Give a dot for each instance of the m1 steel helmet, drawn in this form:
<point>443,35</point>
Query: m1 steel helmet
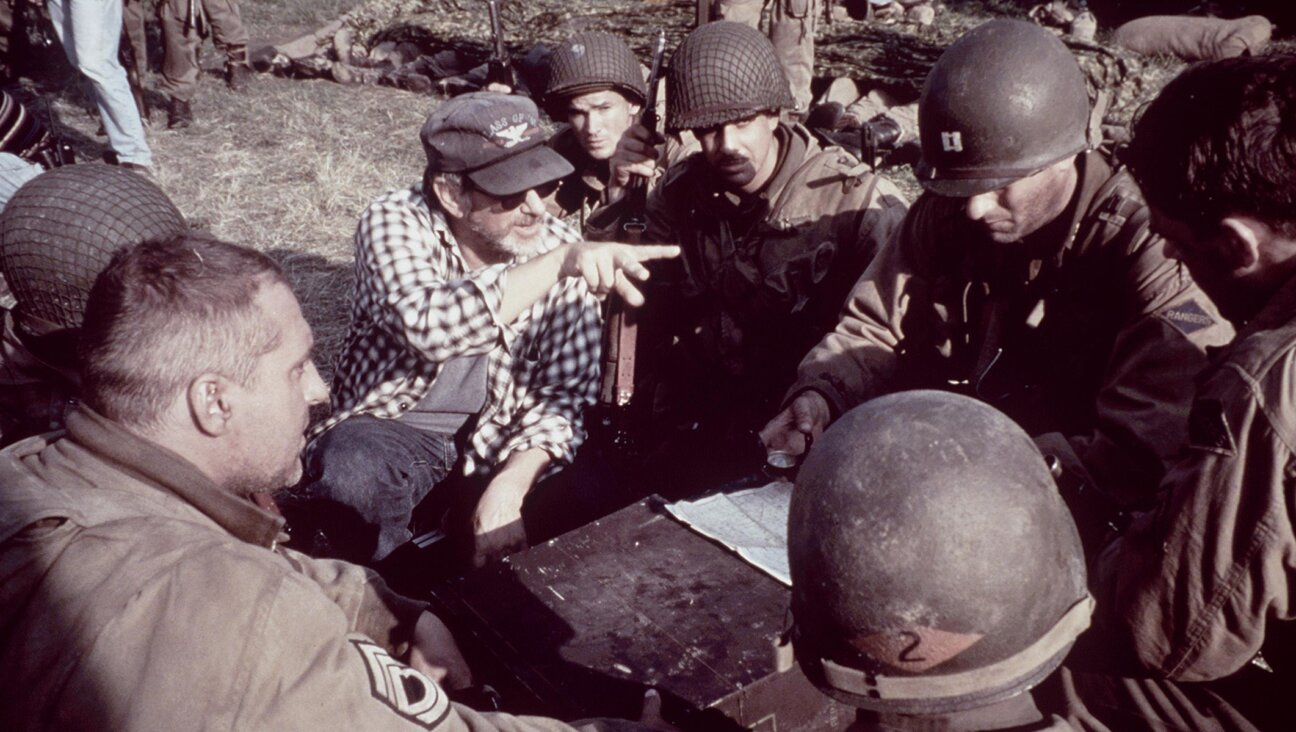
<point>934,566</point>
<point>1006,100</point>
<point>590,62</point>
<point>723,72</point>
<point>59,231</point>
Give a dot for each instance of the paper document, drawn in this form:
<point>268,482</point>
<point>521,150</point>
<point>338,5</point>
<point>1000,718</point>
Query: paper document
<point>752,522</point>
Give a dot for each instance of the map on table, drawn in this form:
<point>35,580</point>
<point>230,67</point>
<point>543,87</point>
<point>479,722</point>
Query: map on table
<point>751,522</point>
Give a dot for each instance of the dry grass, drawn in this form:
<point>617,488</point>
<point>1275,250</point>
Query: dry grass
<point>286,166</point>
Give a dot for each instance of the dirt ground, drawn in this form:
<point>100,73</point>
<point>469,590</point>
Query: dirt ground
<point>288,165</point>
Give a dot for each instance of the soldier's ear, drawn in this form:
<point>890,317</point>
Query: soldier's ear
<point>452,195</point>
<point>208,397</point>
<point>1243,242</point>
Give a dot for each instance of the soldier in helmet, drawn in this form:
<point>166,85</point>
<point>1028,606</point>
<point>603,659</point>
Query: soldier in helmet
<point>596,87</point>
<point>774,230</point>
<point>1026,275</point>
<point>897,607</point>
<point>57,232</point>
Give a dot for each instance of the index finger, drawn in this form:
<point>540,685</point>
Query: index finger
<point>647,252</point>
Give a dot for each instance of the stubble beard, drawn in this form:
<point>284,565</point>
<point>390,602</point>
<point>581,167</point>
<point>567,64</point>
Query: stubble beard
<point>512,246</point>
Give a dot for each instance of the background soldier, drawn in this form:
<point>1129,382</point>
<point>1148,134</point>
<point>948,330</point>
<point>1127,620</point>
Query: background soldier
<point>596,86</point>
<point>1025,276</point>
<point>774,231</point>
<point>50,254</point>
<point>184,24</point>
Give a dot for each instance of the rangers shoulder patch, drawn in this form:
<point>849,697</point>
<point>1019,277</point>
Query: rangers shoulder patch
<point>408,691</point>
<point>1188,317</point>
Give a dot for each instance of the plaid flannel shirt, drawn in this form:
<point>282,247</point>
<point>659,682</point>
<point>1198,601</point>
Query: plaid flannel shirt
<point>416,305</point>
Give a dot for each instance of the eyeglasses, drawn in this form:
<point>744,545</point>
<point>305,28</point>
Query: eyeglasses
<point>508,203</point>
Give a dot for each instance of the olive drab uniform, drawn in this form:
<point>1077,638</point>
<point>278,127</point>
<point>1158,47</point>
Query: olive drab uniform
<point>135,594</point>
<point>184,24</point>
<point>1203,584</point>
<point>1086,335</point>
<point>761,277</point>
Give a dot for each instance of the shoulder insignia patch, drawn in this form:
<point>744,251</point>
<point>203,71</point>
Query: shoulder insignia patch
<point>1188,318</point>
<point>1208,429</point>
<point>409,692</point>
<point>915,649</point>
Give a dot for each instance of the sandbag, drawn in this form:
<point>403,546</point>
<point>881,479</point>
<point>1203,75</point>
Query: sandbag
<point>1194,39</point>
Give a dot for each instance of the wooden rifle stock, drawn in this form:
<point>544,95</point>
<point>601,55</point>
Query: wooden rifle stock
<point>621,326</point>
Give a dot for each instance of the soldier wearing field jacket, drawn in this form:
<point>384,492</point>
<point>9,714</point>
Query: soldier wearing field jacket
<point>1200,589</point>
<point>774,231</point>
<point>1026,276</point>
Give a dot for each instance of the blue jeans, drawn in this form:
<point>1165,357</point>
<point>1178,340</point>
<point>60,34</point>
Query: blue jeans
<point>363,479</point>
<point>14,171</point>
<point>366,475</point>
<point>90,31</point>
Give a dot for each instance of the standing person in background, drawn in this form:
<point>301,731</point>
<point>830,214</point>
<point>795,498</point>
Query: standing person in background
<point>91,31</point>
<point>184,24</point>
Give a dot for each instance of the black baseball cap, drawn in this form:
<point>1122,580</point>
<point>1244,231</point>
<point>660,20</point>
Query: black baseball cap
<point>495,140</point>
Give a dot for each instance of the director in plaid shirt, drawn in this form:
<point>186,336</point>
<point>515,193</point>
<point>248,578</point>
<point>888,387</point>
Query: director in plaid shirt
<point>474,316</point>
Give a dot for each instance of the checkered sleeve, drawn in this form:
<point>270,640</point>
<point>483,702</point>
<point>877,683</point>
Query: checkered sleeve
<point>556,369</point>
<point>551,415</point>
<point>419,293</point>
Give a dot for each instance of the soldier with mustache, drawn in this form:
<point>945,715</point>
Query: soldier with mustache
<point>774,230</point>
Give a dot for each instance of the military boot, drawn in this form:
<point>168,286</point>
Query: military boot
<point>238,72</point>
<point>179,114</point>
<point>237,76</point>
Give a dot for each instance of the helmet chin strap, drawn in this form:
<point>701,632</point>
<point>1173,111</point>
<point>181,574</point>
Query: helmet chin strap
<point>1094,133</point>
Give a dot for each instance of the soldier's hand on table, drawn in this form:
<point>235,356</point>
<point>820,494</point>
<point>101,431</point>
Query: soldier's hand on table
<point>608,266</point>
<point>497,520</point>
<point>434,652</point>
<point>651,716</point>
<point>635,155</point>
<point>808,414</point>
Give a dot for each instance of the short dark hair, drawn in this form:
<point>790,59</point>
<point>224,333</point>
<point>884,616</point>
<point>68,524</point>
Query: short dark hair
<point>164,312</point>
<point>1220,140</point>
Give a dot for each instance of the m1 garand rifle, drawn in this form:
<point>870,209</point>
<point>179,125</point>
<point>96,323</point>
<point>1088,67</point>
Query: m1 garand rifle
<point>499,70</point>
<point>621,327</point>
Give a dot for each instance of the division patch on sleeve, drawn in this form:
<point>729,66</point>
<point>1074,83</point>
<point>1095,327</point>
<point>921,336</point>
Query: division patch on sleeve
<point>1208,429</point>
<point>1188,317</point>
<point>409,692</point>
